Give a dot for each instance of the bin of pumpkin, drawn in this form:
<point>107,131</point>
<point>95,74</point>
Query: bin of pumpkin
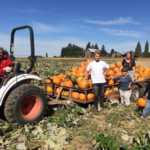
<point>48,86</point>
<point>83,92</point>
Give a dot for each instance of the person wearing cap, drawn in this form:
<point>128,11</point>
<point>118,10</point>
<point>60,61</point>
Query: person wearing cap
<point>98,81</point>
<point>6,64</point>
<point>125,86</point>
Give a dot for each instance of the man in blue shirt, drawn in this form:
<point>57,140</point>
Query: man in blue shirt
<point>125,86</point>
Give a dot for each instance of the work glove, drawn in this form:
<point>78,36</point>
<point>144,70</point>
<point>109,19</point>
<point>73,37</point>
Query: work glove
<point>7,69</point>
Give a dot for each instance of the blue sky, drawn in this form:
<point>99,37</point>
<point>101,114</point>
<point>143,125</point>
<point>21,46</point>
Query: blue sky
<point>117,24</point>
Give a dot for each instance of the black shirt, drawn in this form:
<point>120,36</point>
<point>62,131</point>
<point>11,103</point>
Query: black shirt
<point>125,64</point>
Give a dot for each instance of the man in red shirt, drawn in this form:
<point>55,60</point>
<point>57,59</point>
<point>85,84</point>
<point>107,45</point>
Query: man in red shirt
<point>6,64</point>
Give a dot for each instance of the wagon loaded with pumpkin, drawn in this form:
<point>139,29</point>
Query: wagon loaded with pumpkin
<point>73,88</point>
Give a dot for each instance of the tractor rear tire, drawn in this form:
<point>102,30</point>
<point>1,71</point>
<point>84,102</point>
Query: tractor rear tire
<point>135,93</point>
<point>25,104</point>
<point>142,90</point>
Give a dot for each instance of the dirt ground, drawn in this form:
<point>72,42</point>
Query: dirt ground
<point>143,63</point>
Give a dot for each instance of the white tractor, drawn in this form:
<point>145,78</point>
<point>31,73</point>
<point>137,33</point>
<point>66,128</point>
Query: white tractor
<point>20,101</point>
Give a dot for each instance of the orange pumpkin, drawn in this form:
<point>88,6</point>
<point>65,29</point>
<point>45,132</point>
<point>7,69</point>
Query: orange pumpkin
<point>68,83</point>
<point>112,66</point>
<point>141,78</point>
<point>81,74</point>
<point>49,89</point>
<point>48,81</point>
<point>88,61</point>
<point>75,95</point>
<point>142,102</point>
<point>82,96</point>
<point>78,79</point>
<point>110,91</point>
<point>119,73</point>
<point>116,69</point>
<point>74,69</point>
<point>56,80</point>
<point>90,96</point>
<point>84,84</point>
<point>106,93</point>
<point>57,90</point>
<point>118,64</point>
<point>111,82</point>
<point>82,64</point>
<point>80,69</point>
<point>110,73</point>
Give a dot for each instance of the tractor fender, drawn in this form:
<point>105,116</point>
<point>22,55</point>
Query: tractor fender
<point>13,81</point>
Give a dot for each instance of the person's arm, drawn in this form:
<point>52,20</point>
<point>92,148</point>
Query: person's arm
<point>107,68</point>
<point>86,75</point>
<point>117,78</point>
<point>86,72</point>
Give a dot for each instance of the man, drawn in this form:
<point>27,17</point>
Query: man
<point>98,81</point>
<point>146,109</point>
<point>6,64</point>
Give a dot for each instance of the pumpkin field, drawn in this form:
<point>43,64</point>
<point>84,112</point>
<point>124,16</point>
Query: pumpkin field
<point>76,127</point>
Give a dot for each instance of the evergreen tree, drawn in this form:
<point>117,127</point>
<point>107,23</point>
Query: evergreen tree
<point>146,54</point>
<point>93,46</point>
<point>112,51</point>
<point>103,51</point>
<point>88,45</point>
<point>96,46</point>
<point>72,51</point>
<point>69,44</point>
<point>138,50</point>
<point>46,55</point>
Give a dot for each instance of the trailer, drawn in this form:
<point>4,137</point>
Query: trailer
<point>137,90</point>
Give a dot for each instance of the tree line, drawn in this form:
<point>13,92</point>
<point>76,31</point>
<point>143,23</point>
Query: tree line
<point>138,50</point>
<point>76,51</point>
<point>72,51</point>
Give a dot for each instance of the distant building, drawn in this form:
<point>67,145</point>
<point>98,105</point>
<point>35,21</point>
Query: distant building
<point>90,52</point>
<point>117,55</point>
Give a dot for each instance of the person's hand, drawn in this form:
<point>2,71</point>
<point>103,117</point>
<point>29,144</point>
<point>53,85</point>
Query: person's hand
<point>129,86</point>
<point>7,69</point>
<point>144,97</point>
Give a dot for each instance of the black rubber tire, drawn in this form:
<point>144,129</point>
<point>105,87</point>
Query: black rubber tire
<point>143,89</point>
<point>135,93</point>
<point>13,103</point>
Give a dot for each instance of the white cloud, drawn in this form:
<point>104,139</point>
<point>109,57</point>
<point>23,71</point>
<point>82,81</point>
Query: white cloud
<point>29,10</point>
<point>124,32</point>
<point>121,20</point>
<point>44,28</point>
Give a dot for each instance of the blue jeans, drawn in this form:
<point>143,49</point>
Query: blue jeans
<point>146,109</point>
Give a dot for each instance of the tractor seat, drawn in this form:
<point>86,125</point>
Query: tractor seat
<point>16,68</point>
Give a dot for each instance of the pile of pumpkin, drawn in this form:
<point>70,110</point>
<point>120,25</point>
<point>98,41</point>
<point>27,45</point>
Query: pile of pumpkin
<point>74,78</point>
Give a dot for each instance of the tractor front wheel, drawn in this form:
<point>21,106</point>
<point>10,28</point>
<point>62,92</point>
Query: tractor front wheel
<point>25,104</point>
